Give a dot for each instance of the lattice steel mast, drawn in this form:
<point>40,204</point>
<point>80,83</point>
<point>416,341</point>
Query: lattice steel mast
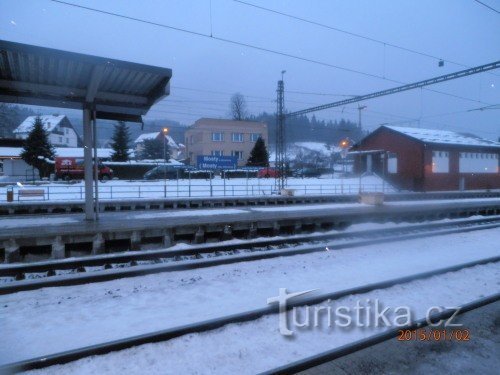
<point>280,162</point>
<point>410,86</point>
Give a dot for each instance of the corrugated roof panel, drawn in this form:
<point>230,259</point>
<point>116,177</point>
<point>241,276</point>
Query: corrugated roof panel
<point>43,76</point>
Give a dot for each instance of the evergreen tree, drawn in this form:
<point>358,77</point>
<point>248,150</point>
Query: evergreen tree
<point>37,148</point>
<point>153,149</point>
<point>121,140</point>
<point>259,157</point>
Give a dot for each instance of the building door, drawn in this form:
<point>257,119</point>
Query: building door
<point>369,163</point>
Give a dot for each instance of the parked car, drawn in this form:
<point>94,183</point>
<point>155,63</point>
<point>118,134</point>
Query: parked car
<point>170,172</point>
<point>267,172</point>
<point>73,168</point>
<point>307,172</point>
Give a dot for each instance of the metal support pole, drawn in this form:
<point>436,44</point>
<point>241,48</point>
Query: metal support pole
<point>96,165</point>
<point>280,162</point>
<point>87,160</point>
<point>386,159</point>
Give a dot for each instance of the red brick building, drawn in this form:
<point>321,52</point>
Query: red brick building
<point>429,160</point>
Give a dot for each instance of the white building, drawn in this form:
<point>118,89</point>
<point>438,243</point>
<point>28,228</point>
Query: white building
<point>13,168</point>
<point>176,150</point>
<point>61,132</point>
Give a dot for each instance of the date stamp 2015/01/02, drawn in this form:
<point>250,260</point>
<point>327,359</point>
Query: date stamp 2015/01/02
<point>424,334</point>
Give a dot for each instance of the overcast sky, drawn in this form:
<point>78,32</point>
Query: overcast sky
<point>207,71</point>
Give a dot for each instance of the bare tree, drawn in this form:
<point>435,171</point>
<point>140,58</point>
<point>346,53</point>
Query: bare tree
<point>238,107</point>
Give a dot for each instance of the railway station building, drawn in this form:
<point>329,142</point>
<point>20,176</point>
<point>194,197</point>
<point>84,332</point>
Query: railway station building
<point>419,159</point>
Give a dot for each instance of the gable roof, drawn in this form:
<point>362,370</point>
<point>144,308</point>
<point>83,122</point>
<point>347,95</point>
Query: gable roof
<point>443,137</point>
<point>154,135</point>
<point>49,123</point>
<point>145,136</point>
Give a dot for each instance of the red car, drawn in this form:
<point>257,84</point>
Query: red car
<point>72,168</point>
<point>267,172</point>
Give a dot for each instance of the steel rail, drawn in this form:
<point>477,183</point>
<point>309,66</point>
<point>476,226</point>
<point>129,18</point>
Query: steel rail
<point>330,355</point>
<point>211,324</point>
<point>108,259</point>
<point>113,274</point>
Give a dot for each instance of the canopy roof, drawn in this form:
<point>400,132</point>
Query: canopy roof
<point>117,90</point>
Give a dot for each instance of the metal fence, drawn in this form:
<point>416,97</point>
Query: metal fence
<point>185,189</point>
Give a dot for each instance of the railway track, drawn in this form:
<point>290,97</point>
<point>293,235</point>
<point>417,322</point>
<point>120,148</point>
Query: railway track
<point>330,355</point>
<point>208,325</point>
<point>23,277</point>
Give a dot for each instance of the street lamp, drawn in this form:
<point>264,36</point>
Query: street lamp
<point>165,132</point>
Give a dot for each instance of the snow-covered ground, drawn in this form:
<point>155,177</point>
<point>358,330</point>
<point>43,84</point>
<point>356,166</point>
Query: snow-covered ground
<point>256,346</point>
<point>55,319</point>
<point>217,187</point>
<point>479,356</point>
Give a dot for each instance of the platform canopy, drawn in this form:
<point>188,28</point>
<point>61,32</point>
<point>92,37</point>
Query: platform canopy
<point>116,90</point>
<point>101,87</point>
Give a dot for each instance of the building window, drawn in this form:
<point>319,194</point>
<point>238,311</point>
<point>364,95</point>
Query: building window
<point>67,140</point>
<point>218,137</point>
<point>392,163</point>
<point>238,154</point>
<point>255,136</point>
<point>478,163</point>
<point>217,153</point>
<point>440,162</point>
<point>60,139</point>
<point>237,137</point>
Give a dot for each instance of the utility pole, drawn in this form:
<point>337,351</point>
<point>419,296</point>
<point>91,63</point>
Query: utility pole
<point>360,108</point>
<point>280,167</point>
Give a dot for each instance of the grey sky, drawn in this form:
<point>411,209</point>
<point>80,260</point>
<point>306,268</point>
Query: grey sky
<point>459,30</point>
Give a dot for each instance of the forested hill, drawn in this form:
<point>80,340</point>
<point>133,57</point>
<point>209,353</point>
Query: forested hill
<point>298,129</point>
<point>305,129</point>
<point>10,118</point>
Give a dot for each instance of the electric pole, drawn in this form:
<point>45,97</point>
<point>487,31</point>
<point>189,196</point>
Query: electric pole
<point>280,167</point>
<point>360,108</point>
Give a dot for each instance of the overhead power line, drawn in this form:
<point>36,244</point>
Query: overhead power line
<point>316,93</point>
<point>351,33</point>
<point>410,86</point>
<point>230,41</point>
<point>247,45</point>
<point>487,6</point>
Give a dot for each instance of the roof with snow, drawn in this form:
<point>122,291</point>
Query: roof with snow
<point>75,152</point>
<point>154,135</point>
<point>318,147</point>
<point>49,123</point>
<point>443,136</point>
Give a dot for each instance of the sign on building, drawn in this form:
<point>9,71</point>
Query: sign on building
<point>216,162</point>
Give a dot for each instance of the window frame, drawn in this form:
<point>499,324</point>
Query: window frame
<point>240,139</point>
<point>259,135</point>
<point>221,137</point>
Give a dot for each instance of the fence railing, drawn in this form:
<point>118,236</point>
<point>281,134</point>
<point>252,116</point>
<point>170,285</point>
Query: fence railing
<point>186,189</point>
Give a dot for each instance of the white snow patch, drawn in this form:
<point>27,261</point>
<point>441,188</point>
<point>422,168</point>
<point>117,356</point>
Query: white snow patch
<point>75,316</point>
